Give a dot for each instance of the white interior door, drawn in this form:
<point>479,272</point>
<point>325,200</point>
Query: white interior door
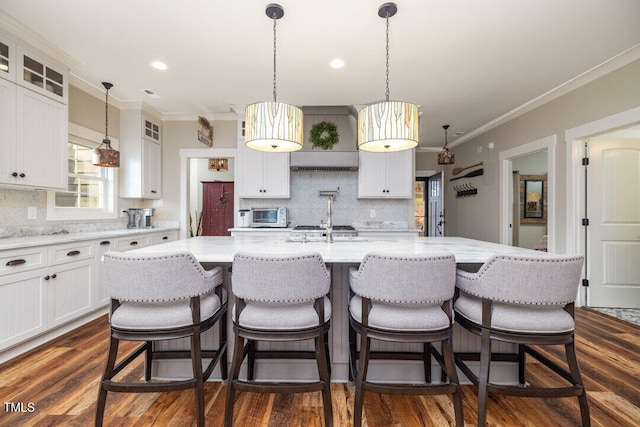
<point>613,209</point>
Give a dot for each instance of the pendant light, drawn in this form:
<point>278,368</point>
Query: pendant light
<point>106,157</point>
<point>389,125</point>
<point>274,126</point>
<point>446,156</point>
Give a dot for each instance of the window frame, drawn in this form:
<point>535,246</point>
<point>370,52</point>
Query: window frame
<point>89,138</point>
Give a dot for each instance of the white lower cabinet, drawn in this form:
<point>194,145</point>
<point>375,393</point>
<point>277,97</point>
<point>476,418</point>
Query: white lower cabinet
<point>23,312</point>
<point>69,291</point>
<point>101,293</point>
<point>45,287</point>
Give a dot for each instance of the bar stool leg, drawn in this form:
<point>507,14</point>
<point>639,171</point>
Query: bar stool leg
<point>572,360</point>
<point>483,378</point>
<point>108,373</point>
<point>325,377</point>
<point>450,364</point>
<point>196,362</point>
<point>363,365</point>
<point>235,373</point>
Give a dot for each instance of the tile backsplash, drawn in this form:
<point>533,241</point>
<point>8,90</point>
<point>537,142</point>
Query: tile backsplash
<point>306,207</point>
<point>14,205</point>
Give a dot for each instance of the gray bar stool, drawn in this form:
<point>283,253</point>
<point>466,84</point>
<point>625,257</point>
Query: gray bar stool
<point>162,297</point>
<point>408,299</point>
<point>526,301</point>
<point>280,298</point>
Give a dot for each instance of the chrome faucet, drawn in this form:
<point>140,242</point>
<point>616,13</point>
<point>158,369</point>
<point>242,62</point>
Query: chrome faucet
<point>331,196</point>
<point>329,222</point>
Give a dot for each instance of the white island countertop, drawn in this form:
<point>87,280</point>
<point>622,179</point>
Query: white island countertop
<point>222,249</point>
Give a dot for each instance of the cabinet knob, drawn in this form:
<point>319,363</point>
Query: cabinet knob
<point>54,275</point>
<point>154,191</point>
<point>22,175</point>
<point>15,174</point>
<point>47,277</point>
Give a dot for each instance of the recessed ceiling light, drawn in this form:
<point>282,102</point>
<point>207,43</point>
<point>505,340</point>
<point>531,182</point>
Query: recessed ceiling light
<point>159,65</point>
<point>336,63</point>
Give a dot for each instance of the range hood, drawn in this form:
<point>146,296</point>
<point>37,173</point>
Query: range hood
<point>324,161</point>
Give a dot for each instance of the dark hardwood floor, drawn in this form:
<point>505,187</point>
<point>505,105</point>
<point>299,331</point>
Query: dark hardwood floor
<point>57,386</point>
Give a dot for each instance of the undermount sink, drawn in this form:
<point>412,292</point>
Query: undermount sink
<point>323,239</point>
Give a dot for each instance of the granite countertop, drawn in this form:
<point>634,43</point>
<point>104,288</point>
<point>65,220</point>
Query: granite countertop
<point>61,238</point>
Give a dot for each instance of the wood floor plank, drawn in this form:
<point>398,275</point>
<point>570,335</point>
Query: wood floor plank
<point>61,379</point>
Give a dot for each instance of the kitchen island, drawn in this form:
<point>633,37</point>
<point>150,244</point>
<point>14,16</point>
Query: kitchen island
<point>340,256</point>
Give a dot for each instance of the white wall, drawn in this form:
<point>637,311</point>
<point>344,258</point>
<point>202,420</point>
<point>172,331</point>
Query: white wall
<point>478,217</point>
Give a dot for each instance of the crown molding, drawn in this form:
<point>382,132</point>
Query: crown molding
<point>628,56</point>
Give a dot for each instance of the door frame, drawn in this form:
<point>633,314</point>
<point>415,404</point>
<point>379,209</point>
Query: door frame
<point>575,186</point>
<point>505,159</point>
<point>187,154</point>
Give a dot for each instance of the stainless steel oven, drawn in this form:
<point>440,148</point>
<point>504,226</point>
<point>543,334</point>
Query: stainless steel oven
<point>269,217</point>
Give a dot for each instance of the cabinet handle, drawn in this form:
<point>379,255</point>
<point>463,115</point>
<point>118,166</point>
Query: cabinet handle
<point>15,262</point>
<point>105,242</point>
<point>133,243</point>
<point>154,191</point>
<point>15,174</point>
<point>165,238</point>
<point>73,253</point>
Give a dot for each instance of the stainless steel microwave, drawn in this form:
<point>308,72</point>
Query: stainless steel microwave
<point>269,217</point>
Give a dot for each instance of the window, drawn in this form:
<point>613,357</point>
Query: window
<point>91,189</point>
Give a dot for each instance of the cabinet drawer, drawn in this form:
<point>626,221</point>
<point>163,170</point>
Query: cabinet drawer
<point>72,252</point>
<point>169,236</point>
<point>129,243</point>
<point>16,261</point>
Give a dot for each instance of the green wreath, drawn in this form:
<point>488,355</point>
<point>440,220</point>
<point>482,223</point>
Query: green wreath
<point>324,134</point>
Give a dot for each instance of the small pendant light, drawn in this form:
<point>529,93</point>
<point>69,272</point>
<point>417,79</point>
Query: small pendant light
<point>106,157</point>
<point>446,156</point>
<point>389,125</point>
<point>274,126</point>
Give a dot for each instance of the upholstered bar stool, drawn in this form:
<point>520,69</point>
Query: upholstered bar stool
<point>162,297</point>
<point>280,298</point>
<point>526,301</point>
<point>407,299</point>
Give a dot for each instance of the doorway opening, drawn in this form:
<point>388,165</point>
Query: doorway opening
<point>193,160</point>
<point>211,198</point>
<point>513,200</point>
<point>429,205</point>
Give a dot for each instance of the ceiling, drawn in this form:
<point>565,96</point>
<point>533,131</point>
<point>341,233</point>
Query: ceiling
<point>465,62</point>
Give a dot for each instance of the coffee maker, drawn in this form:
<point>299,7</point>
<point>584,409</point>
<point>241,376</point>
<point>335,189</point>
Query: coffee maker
<point>140,217</point>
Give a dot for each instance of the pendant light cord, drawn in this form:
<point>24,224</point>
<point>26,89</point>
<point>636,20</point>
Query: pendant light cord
<point>106,116</point>
<point>387,91</point>
<point>275,19</point>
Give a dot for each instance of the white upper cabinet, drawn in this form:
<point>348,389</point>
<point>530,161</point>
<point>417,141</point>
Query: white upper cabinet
<point>42,75</point>
<point>262,175</point>
<point>7,59</point>
<point>140,155</point>
<point>386,175</point>
<point>33,120</point>
<point>34,139</point>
